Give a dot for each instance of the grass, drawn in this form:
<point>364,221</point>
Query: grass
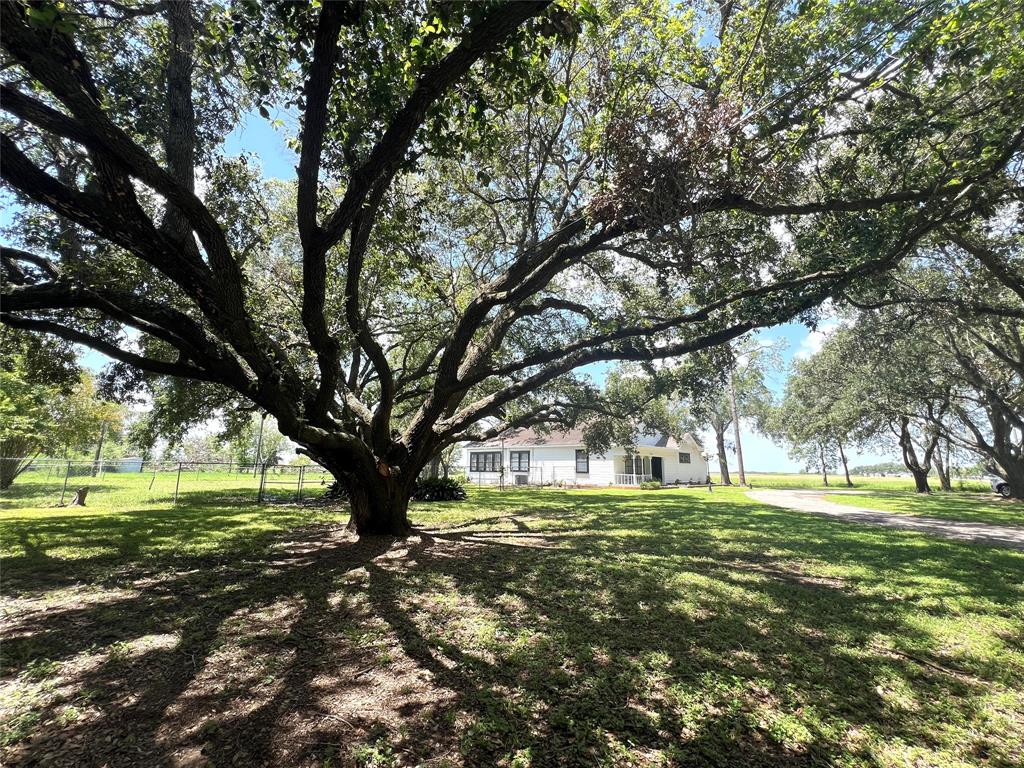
<point>523,628</point>
<point>40,488</point>
<point>971,501</point>
<point>838,482</point>
<point>970,507</point>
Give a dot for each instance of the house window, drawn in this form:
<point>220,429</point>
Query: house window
<point>684,458</point>
<point>485,462</point>
<point>519,461</point>
<point>582,462</point>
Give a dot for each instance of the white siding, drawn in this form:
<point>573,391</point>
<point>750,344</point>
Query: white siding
<point>556,464</point>
<point>694,472</point>
<point>549,464</point>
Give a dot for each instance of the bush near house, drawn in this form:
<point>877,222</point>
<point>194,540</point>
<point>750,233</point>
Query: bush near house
<point>439,489</point>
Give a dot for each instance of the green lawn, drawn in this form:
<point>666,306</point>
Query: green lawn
<point>838,482</point>
<point>127,490</point>
<point>524,628</point>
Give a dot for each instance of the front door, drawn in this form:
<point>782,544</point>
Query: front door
<point>656,472</point>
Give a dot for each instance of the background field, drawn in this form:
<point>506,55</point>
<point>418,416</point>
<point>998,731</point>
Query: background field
<point>838,482</point>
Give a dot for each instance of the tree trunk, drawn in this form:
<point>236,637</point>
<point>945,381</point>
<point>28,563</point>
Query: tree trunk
<point>921,480</point>
<point>1013,472</point>
<point>380,505</point>
<point>736,429</point>
<point>942,467</point>
<point>723,461</point>
<point>434,467</point>
<point>824,466</point>
<point>99,450</point>
<point>919,469</point>
<point>846,467</point>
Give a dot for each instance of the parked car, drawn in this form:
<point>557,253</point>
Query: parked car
<point>999,486</point>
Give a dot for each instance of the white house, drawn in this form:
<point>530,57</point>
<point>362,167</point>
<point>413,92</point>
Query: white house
<point>526,457</point>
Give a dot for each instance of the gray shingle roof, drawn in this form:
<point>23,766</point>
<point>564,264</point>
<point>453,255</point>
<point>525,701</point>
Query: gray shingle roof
<point>574,437</point>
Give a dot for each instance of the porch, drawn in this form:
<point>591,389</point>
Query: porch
<point>638,468</point>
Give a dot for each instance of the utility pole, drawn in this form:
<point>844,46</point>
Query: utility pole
<point>736,427</point>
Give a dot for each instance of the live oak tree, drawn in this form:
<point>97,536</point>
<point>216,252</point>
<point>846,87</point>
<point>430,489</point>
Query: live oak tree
<point>804,421</point>
<point>489,196</point>
<point>952,323</point>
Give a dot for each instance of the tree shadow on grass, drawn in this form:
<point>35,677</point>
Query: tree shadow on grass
<point>586,629</point>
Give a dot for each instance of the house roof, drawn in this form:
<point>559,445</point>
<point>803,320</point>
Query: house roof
<point>531,438</point>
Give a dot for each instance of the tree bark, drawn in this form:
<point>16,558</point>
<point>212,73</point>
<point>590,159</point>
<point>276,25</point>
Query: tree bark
<point>736,429</point>
<point>942,468</point>
<point>99,450</point>
<point>919,469</point>
<point>920,480</point>
<point>824,466</point>
<point>723,461</point>
<point>434,467</point>
<point>180,133</point>
<point>380,505</point>
<point>846,467</point>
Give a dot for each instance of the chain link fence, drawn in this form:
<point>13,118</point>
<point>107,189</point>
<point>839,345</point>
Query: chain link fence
<point>52,482</point>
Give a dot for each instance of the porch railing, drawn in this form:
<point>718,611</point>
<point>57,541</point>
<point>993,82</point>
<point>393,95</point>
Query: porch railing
<point>632,479</point>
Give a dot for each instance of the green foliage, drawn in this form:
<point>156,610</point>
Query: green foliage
<point>38,416</point>
<point>650,485</point>
<point>438,489</point>
<point>822,413</point>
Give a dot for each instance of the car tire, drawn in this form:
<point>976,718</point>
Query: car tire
<point>1003,489</point>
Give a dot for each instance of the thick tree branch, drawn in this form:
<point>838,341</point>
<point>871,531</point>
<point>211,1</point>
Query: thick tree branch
<point>386,157</point>
<point>991,260</point>
<point>148,364</point>
<point>180,131</point>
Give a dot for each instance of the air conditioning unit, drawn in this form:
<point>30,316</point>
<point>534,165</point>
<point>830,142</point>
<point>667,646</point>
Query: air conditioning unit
<point>522,479</point>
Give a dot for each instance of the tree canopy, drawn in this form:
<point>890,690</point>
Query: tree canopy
<point>489,196</point>
<point>47,404</point>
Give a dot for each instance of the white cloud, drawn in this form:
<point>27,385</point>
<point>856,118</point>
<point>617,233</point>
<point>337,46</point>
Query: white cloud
<point>811,343</point>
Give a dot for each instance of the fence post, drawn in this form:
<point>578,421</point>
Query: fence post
<point>263,482</point>
<point>302,472</point>
<point>177,483</point>
<point>67,474</point>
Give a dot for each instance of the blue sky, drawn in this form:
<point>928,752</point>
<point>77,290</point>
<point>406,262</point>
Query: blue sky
<point>255,135</point>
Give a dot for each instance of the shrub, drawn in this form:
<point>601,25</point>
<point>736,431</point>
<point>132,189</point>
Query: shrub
<point>439,489</point>
<point>430,489</point>
<point>650,485</point>
<point>336,492</point>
